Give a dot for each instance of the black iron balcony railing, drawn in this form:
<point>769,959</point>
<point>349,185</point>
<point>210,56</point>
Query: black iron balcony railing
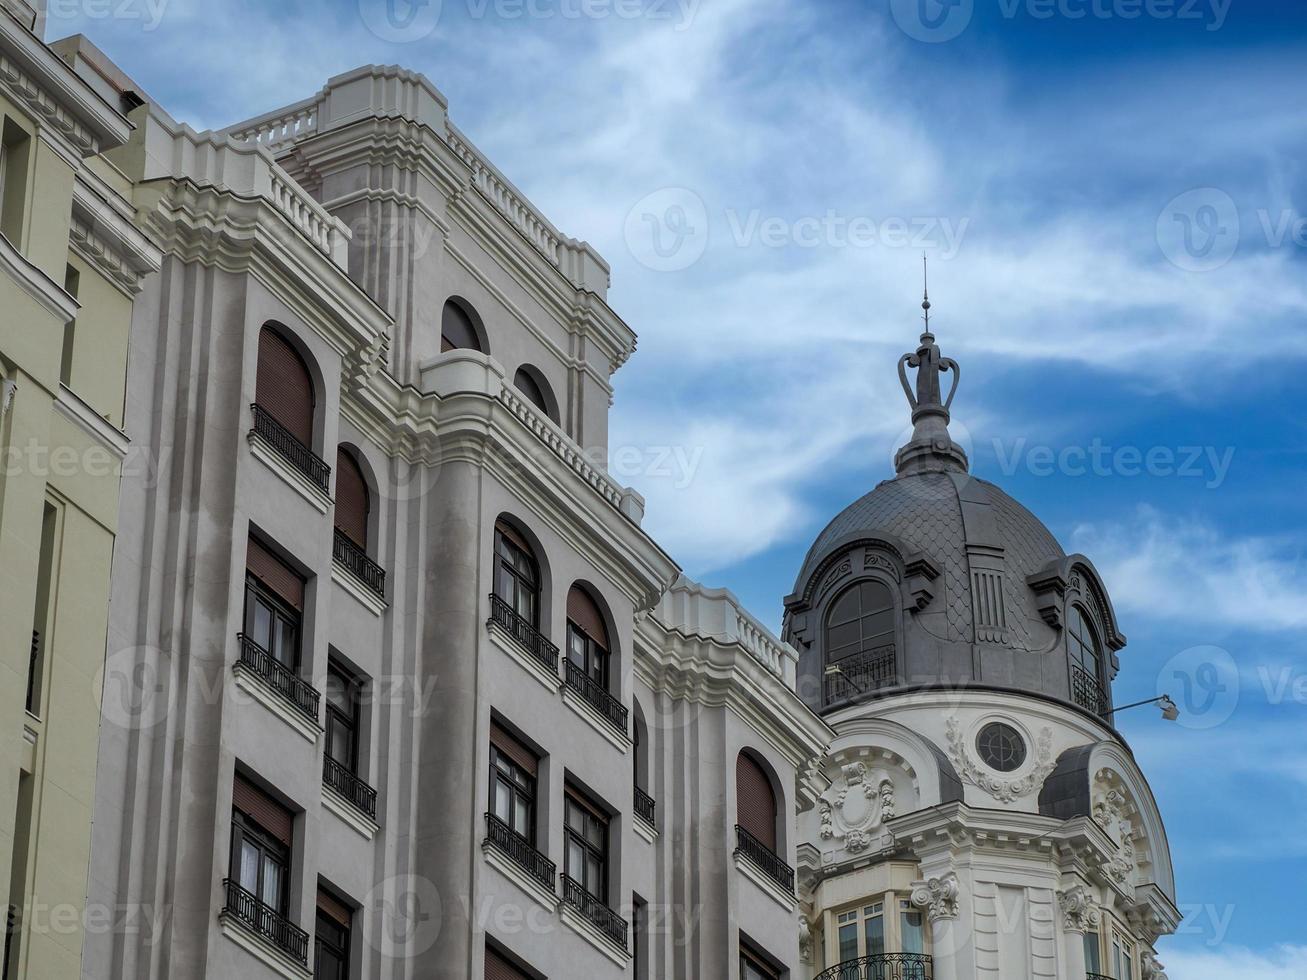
<point>1098,976</point>
<point>276,675</point>
<point>11,929</point>
<point>300,456</point>
<point>520,851</point>
<point>599,914</point>
<point>1087,692</point>
<point>265,921</point>
<point>362,796</point>
<point>767,861</point>
<point>33,664</point>
<point>882,966</point>
<point>645,807</point>
<point>356,561</point>
<point>593,694</point>
<point>862,673</point>
<point>520,629</point>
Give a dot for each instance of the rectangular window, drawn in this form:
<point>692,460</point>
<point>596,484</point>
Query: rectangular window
<point>1093,953</point>
<point>274,598</point>
<point>861,932</point>
<point>45,586</point>
<point>499,968</point>
<point>513,783</point>
<point>72,283</point>
<point>260,845</point>
<point>517,580</point>
<point>1123,959</point>
<point>343,698</point>
<point>753,966</point>
<point>639,943</point>
<point>588,655</point>
<point>585,834</point>
<point>912,929</point>
<point>15,146</point>
<point>332,934</point>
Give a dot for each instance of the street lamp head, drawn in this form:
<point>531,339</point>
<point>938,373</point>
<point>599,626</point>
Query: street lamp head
<point>1169,709</point>
<point>833,669</point>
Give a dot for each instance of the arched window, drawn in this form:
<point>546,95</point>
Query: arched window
<point>517,573</point>
<point>1086,662</point>
<point>284,387</point>
<point>587,636</point>
<point>860,647</point>
<point>353,502</point>
<point>458,331</point>
<point>755,801</point>
<point>533,386</point>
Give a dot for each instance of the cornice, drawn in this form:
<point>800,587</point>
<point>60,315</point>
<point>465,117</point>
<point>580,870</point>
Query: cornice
<point>39,80</point>
<point>35,283</point>
<point>217,228</point>
<point>107,239</point>
<point>71,406</point>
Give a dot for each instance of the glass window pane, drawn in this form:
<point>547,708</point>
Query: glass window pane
<point>521,817</point>
<point>848,942</point>
<point>503,802</point>
<point>874,931</point>
<point>249,869</point>
<point>1093,957</point>
<point>261,628</point>
<point>270,893</point>
<point>914,936</point>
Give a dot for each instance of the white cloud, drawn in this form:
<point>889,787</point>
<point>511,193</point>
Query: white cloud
<point>1286,962</point>
<point>1179,568</point>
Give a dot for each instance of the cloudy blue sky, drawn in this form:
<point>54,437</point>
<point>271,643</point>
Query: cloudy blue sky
<point>1109,191</point>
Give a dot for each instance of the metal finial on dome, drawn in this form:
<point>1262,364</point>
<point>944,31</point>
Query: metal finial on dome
<point>925,296</point>
<point>931,448</point>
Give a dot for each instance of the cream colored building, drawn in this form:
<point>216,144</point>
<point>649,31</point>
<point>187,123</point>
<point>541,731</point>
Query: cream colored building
<point>71,261</point>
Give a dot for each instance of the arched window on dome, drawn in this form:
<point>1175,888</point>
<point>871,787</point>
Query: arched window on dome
<point>1086,655</point>
<point>460,328</point>
<point>860,647</point>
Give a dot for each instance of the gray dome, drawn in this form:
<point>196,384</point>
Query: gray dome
<point>925,511</point>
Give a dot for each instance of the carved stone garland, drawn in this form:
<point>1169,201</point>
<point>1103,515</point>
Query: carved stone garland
<point>1005,790</point>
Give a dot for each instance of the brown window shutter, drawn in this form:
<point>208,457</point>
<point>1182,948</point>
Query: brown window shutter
<point>283,386</point>
<point>511,534</point>
<point>582,611</point>
<point>585,803</point>
<point>332,907</point>
<point>263,810</point>
<point>755,801</point>
<point>498,968</point>
<point>274,574</point>
<point>351,499</point>
<point>514,749</point>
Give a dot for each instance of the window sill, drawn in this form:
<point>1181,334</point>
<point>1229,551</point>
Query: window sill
<point>642,828</point>
<point>274,702</point>
<point>595,720</point>
<point>529,663</point>
<point>773,891</point>
<point>591,934</point>
<point>263,950</point>
<point>263,451</point>
<point>346,580</point>
<point>358,821</point>
<point>509,868</point>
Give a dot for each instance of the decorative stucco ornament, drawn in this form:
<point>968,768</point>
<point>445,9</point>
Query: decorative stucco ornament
<point>938,896</point>
<point>1150,968</point>
<point>856,806</point>
<point>1001,789</point>
<point>1079,913</point>
<point>1110,808</point>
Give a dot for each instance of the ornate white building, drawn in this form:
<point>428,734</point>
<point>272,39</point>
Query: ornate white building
<point>984,818</point>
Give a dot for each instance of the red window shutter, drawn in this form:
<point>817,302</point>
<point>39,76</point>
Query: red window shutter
<point>283,386</point>
<point>352,502</point>
<point>263,810</point>
<point>512,748</point>
<point>755,801</point>
<point>498,968</point>
<point>582,611</point>
<point>274,574</point>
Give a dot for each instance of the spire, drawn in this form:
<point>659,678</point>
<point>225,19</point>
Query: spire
<point>931,448</point>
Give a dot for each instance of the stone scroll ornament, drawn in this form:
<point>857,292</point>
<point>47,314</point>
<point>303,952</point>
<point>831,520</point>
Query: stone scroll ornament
<point>1079,913</point>
<point>861,803</point>
<point>1001,789</point>
<point>938,896</point>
